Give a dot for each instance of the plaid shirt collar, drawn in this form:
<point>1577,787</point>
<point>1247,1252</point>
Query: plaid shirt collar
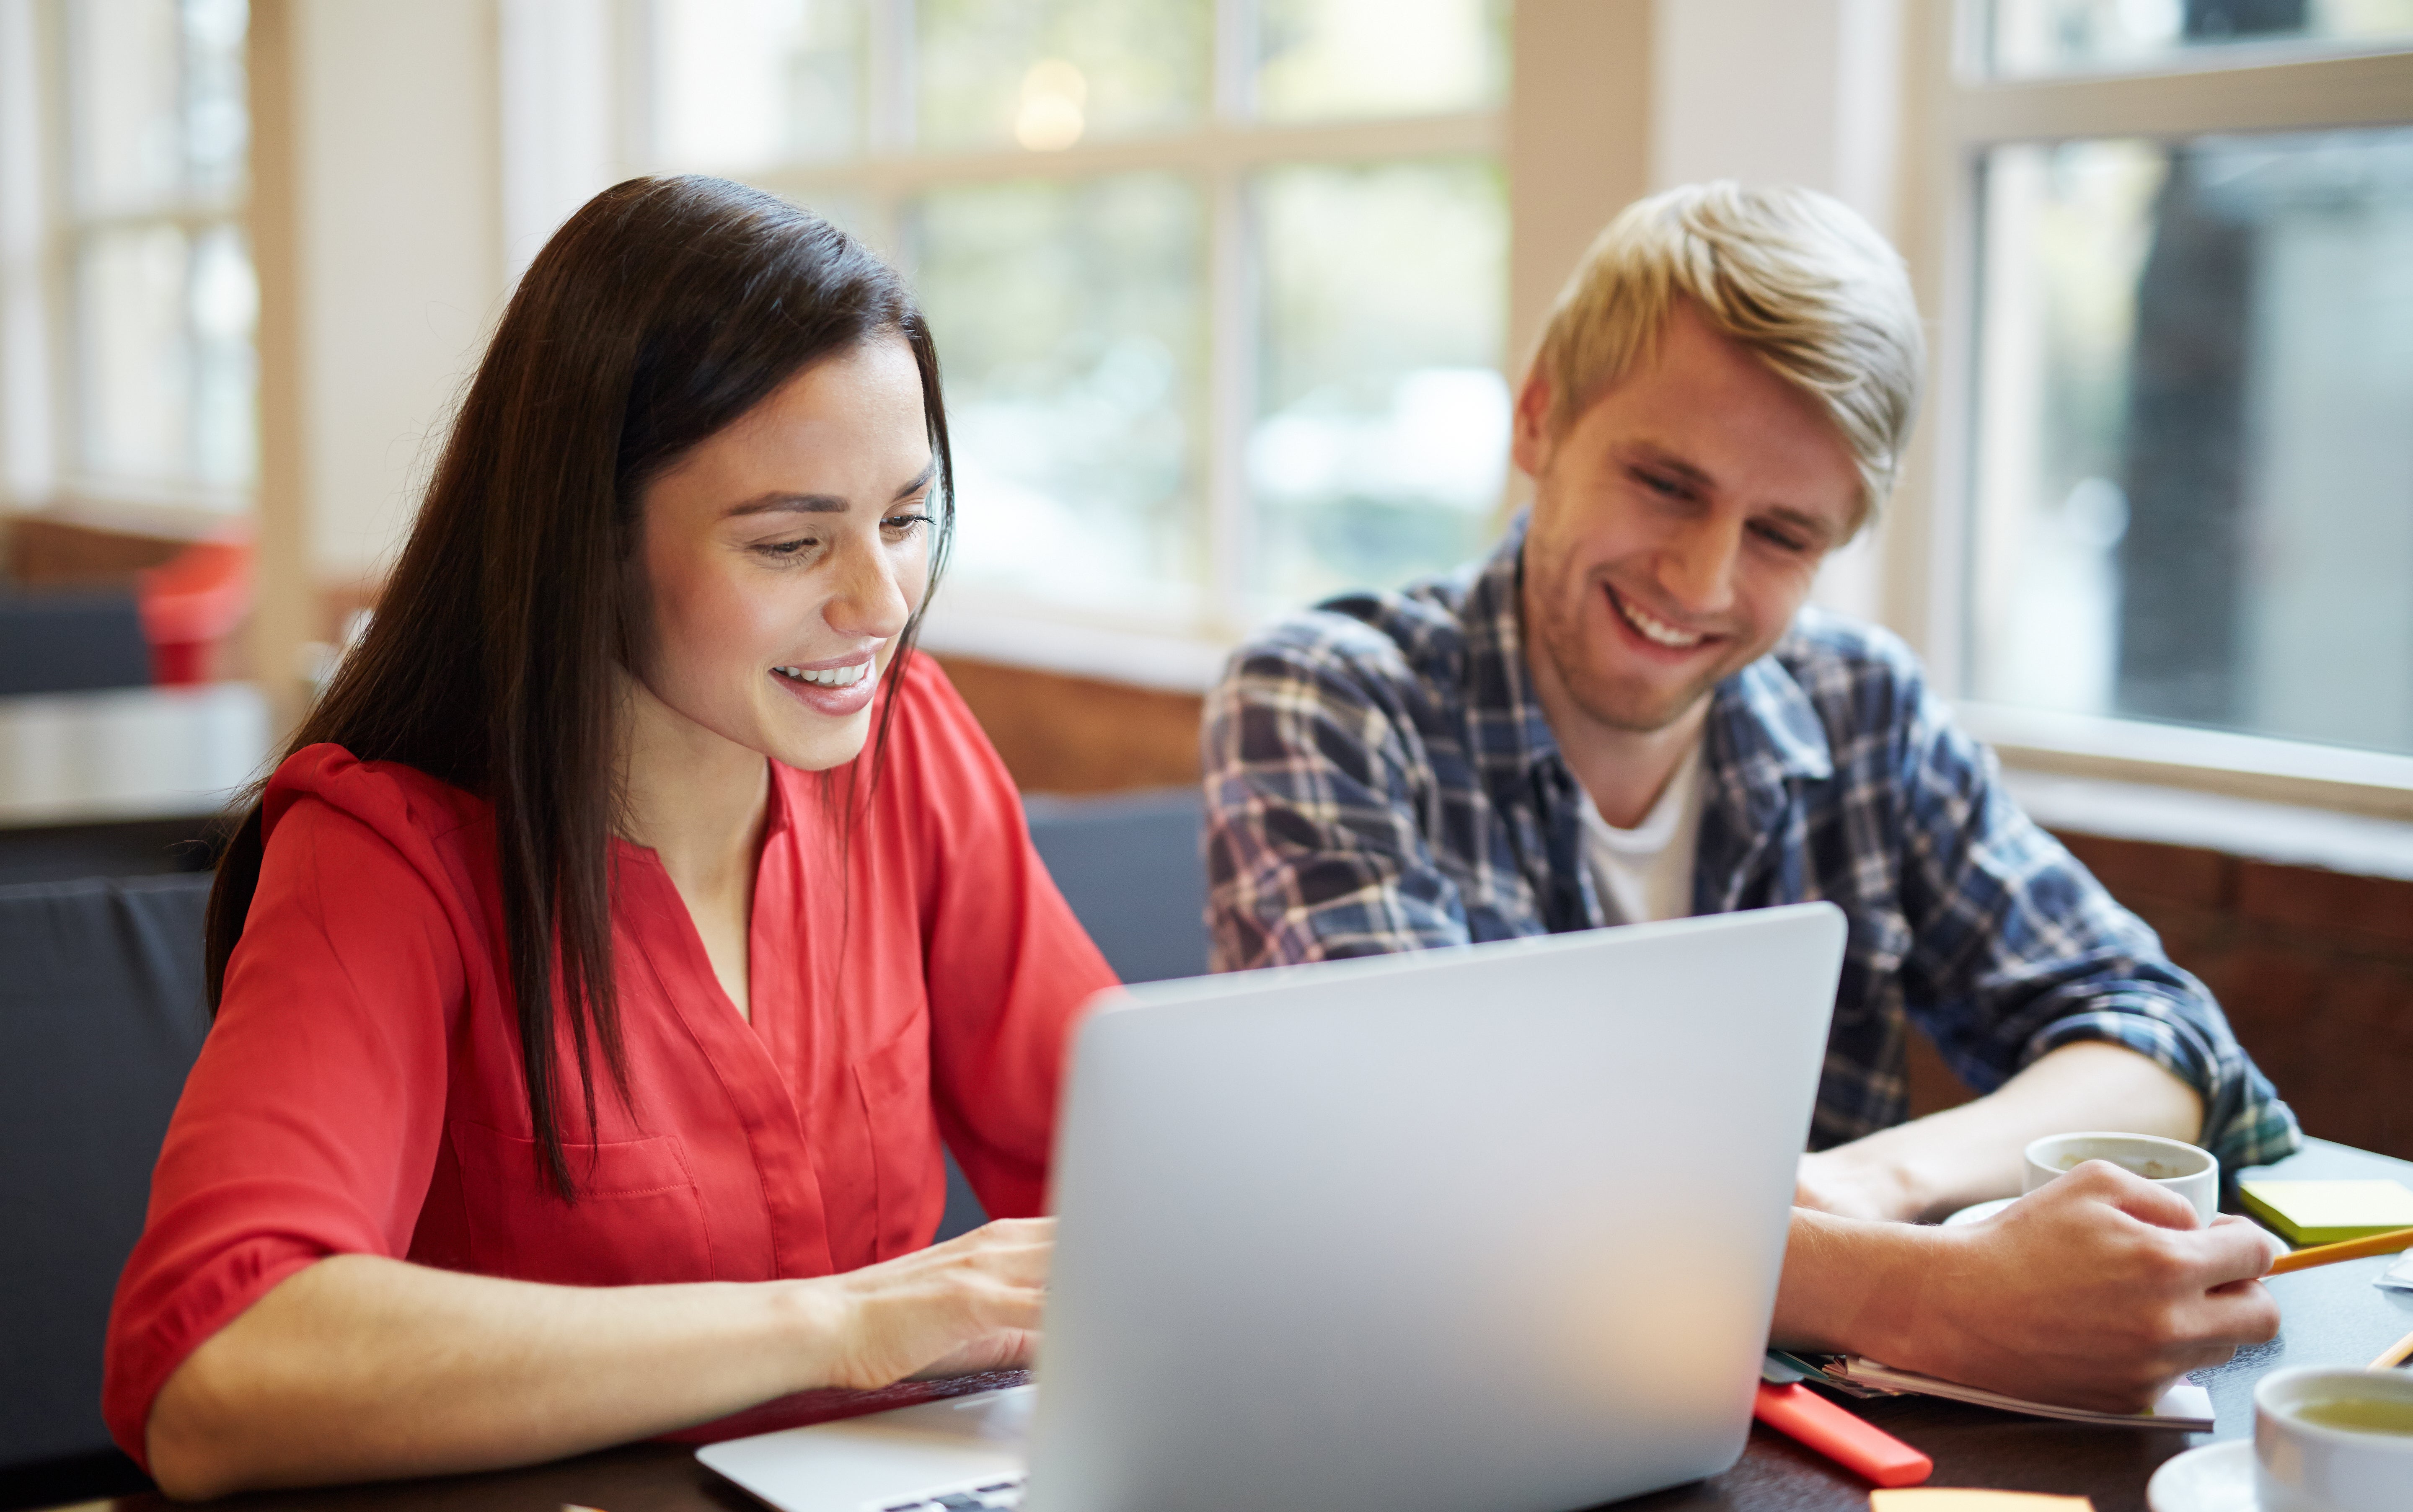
<point>1761,737</point>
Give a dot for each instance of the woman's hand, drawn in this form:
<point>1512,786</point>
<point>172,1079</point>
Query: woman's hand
<point>362,1366</point>
<point>969,1304</point>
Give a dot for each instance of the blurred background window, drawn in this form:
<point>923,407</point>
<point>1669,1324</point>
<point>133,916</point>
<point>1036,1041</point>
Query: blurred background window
<point>2043,36</point>
<point>160,322</point>
<point>2191,442</point>
<point>2196,467</point>
<point>1382,417</point>
<point>1220,286</point>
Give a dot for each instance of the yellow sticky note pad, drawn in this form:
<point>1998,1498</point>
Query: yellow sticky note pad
<point>2326,1212</point>
<point>1954,1498</point>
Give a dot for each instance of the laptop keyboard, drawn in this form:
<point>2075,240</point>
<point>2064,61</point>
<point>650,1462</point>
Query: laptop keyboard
<point>1005,1492</point>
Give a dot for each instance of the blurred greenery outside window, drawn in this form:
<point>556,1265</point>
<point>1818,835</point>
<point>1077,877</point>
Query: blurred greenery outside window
<point>162,300</point>
<point>2190,474</point>
<point>1220,287</point>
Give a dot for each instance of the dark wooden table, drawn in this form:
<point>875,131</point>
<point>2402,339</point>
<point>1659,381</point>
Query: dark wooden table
<point>2332,1316</point>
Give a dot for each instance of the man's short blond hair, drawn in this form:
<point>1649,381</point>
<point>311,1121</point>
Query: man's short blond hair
<point>1795,277</point>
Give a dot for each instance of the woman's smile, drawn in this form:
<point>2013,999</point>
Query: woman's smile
<point>839,690</point>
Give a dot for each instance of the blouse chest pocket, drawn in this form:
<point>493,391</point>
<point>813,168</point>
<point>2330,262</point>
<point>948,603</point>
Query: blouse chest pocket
<point>638,1219</point>
<point>908,1173</point>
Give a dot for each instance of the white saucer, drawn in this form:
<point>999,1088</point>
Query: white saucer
<point>2218,1478</point>
<point>1979,1212</point>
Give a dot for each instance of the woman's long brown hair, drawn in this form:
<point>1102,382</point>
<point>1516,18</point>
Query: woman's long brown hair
<point>657,314</point>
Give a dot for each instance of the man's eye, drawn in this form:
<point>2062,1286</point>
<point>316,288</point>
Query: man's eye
<point>1659,483</point>
<point>1781,540</point>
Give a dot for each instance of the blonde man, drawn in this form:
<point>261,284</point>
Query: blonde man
<point>1629,712</point>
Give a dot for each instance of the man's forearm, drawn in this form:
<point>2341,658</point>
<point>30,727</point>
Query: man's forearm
<point>1973,1152</point>
<point>1849,1286</point>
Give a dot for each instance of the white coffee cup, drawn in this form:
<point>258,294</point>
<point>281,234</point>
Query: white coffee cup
<point>2191,1172</point>
<point>2301,1466</point>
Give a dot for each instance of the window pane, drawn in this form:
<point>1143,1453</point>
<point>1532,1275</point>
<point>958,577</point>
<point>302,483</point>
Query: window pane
<point>1044,74</point>
<point>1329,59</point>
<point>167,357</point>
<point>2195,468</point>
<point>744,84</point>
<point>136,365</point>
<point>2031,36</point>
<point>157,103</point>
<point>1070,320</point>
<point>226,380</point>
<point>1382,432</point>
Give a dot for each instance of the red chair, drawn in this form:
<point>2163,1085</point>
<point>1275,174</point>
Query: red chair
<point>190,604</point>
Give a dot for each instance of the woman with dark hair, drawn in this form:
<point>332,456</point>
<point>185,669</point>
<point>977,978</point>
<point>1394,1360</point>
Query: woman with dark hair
<point>598,976</point>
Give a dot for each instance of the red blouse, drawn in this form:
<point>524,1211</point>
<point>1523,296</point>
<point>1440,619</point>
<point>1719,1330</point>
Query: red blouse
<point>360,1091</point>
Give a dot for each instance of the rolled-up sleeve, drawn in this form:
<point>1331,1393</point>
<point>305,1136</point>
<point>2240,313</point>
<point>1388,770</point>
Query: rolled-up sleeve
<point>2017,950</point>
<point>314,1115</point>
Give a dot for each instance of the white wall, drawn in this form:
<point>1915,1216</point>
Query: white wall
<point>399,204</point>
<point>1779,92</point>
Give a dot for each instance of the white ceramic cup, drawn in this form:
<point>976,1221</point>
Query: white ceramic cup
<point>2192,1173</point>
<point>2313,1467</point>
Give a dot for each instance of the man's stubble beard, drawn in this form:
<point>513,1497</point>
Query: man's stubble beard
<point>1597,698</point>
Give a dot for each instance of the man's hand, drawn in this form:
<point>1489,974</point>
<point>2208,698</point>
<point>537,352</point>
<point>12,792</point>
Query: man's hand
<point>2096,1291</point>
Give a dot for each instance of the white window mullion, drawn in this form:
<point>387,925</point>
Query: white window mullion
<point>28,449</point>
<point>1232,327</point>
<point>1231,400</point>
<point>888,85</point>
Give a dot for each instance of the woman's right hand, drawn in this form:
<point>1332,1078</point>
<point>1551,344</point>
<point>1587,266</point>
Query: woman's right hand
<point>362,1366</point>
<point>969,1304</point>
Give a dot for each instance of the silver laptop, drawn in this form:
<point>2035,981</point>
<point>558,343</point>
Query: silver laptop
<point>1487,1228</point>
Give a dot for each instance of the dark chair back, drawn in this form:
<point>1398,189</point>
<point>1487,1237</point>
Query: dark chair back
<point>1130,866</point>
<point>101,1014</point>
<point>70,640</point>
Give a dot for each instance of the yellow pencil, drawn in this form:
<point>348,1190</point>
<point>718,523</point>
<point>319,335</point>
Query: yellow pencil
<point>2394,1354</point>
<point>2322,1254</point>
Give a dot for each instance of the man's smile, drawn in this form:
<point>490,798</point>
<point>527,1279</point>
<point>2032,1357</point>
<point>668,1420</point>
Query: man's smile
<point>1653,629</point>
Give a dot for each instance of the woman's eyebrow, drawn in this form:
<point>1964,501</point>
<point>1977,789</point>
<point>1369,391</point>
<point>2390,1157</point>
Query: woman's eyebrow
<point>794,503</point>
<point>822,503</point>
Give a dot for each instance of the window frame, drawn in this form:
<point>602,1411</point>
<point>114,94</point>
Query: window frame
<point>1954,112</point>
<point>1220,153</point>
<point>47,230</point>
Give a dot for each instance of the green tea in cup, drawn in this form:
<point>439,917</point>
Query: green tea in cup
<point>2356,1414</point>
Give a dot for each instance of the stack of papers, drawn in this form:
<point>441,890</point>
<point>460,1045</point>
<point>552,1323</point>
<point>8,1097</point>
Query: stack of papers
<point>2186,1405</point>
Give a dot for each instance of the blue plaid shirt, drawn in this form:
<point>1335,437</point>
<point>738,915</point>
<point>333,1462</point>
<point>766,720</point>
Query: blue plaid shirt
<point>1380,777</point>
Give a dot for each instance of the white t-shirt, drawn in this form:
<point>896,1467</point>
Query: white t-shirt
<point>1646,872</point>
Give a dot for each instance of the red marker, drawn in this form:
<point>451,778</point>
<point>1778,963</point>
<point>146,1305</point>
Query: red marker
<point>1861,1447</point>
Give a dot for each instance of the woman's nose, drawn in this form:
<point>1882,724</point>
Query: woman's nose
<point>866,600</point>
